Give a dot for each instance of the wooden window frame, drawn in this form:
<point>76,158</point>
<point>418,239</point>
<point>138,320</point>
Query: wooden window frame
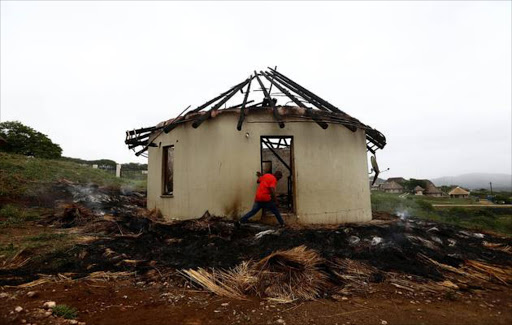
<point>165,171</point>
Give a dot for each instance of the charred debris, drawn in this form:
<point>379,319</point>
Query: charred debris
<point>272,85</point>
<point>120,237</point>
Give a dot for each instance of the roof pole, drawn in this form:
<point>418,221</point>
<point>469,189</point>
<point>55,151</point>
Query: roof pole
<point>208,114</point>
<point>242,109</point>
<point>316,97</point>
<point>309,110</point>
<point>312,98</point>
<point>267,96</point>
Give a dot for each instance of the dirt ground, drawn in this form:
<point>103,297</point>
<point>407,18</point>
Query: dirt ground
<point>100,252</point>
<point>130,302</point>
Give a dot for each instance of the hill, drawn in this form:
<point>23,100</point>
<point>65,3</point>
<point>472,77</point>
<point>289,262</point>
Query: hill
<point>22,176</point>
<point>501,182</point>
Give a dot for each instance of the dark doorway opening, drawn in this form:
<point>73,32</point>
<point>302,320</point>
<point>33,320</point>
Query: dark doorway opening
<point>277,154</point>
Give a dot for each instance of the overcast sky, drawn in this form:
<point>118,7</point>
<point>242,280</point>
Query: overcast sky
<point>434,77</point>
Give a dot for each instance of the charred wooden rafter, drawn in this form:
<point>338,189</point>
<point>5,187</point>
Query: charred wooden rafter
<point>240,105</point>
<point>208,103</point>
<point>270,101</point>
<point>310,94</point>
<point>312,98</point>
<point>208,114</point>
<point>300,93</point>
<point>316,110</point>
<point>271,148</point>
<point>242,109</point>
<point>309,110</point>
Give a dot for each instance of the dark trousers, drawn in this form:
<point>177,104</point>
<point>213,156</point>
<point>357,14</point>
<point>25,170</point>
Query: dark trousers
<point>270,205</point>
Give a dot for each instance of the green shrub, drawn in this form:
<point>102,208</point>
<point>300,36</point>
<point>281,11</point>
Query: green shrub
<point>500,198</point>
<point>65,311</point>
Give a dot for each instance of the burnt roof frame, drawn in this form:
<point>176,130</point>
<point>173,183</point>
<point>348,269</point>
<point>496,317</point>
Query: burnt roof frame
<point>323,113</point>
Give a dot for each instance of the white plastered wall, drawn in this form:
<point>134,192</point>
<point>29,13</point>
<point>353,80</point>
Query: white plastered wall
<point>215,166</point>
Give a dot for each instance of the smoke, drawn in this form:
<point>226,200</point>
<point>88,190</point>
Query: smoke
<point>402,213</point>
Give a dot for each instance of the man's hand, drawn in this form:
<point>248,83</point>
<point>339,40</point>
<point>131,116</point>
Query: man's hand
<point>258,174</point>
<point>273,195</point>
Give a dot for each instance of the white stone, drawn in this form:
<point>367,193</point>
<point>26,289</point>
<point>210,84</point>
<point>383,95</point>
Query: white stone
<point>49,304</point>
<point>31,294</point>
<point>376,240</point>
<point>18,309</point>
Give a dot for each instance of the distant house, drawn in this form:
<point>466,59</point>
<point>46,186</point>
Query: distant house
<point>458,192</point>
<point>399,180</point>
<point>418,190</point>
<point>392,187</point>
<point>378,183</point>
<point>432,190</point>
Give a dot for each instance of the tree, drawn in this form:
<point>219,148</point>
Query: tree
<point>412,183</point>
<point>24,140</point>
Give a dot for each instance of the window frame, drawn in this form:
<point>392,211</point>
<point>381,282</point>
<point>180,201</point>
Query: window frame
<point>165,171</point>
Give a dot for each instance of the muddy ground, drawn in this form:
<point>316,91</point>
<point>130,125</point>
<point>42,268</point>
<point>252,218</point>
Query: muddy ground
<point>135,259</point>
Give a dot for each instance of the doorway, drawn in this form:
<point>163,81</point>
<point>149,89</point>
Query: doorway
<point>277,154</point>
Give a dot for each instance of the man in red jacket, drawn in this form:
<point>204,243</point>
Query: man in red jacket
<point>266,196</point>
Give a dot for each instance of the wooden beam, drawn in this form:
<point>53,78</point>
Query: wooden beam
<point>208,103</point>
<point>242,109</point>
<point>267,96</point>
<point>277,155</point>
<point>168,128</point>
<point>322,124</point>
<point>315,101</point>
<point>311,94</point>
<point>208,114</point>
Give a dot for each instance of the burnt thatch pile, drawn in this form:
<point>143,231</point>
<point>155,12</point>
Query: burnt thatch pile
<point>283,276</point>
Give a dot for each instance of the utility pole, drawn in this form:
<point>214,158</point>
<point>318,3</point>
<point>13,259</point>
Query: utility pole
<point>490,183</point>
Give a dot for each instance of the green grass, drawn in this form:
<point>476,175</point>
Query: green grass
<point>13,215</point>
<point>23,176</point>
<point>448,200</point>
<point>8,250</point>
<point>65,311</point>
<point>41,243</point>
<point>474,217</point>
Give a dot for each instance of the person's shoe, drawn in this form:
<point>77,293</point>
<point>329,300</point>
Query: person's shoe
<point>237,224</point>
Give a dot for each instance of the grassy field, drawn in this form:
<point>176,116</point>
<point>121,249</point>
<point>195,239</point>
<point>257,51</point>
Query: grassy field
<point>22,179</point>
<point>474,217</point>
<point>21,175</point>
